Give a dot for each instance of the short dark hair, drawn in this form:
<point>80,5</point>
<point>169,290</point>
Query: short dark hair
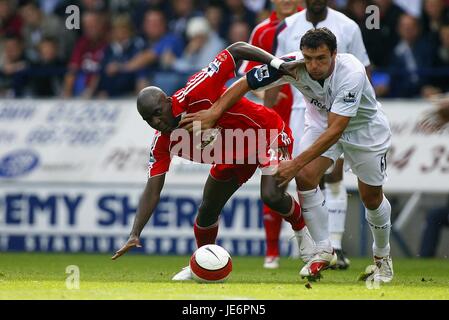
<point>317,37</point>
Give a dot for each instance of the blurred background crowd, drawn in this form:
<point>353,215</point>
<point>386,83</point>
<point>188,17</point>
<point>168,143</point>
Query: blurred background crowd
<point>125,45</point>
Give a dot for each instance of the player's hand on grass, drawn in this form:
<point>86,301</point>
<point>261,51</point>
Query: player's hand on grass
<point>290,69</point>
<point>286,171</point>
<point>132,242</point>
<point>206,119</point>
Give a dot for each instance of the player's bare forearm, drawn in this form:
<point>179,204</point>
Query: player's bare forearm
<point>271,96</point>
<point>337,125</point>
<point>287,170</point>
<point>245,51</point>
<point>147,204</point>
<point>323,143</point>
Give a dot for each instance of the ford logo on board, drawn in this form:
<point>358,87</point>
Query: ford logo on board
<point>18,163</point>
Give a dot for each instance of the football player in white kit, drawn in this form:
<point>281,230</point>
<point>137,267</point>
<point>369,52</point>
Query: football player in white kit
<point>342,117</point>
<point>349,40</point>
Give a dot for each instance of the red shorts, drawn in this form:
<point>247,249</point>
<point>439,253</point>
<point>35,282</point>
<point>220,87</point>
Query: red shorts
<point>243,172</point>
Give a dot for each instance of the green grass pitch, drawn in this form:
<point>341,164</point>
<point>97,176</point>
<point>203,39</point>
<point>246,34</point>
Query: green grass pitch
<point>43,276</point>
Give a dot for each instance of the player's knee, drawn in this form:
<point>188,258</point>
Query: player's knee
<point>271,197</point>
<point>306,180</point>
<point>372,201</point>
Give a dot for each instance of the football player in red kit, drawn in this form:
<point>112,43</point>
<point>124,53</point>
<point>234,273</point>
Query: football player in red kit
<point>164,114</point>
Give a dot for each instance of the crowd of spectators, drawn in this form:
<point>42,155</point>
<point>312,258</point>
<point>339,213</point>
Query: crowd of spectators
<point>125,45</point>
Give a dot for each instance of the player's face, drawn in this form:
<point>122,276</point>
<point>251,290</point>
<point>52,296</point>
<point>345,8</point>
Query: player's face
<point>161,117</point>
<point>286,7</point>
<point>319,62</point>
<point>316,6</point>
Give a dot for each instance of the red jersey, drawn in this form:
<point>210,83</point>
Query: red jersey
<point>264,37</point>
<point>200,92</point>
<point>87,56</point>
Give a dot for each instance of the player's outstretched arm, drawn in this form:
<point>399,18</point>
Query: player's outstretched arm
<point>287,170</point>
<point>274,67</point>
<point>147,204</point>
<point>245,51</point>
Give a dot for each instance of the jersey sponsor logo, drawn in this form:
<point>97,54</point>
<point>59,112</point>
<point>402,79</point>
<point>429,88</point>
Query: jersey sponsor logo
<point>349,97</point>
<point>318,104</point>
<point>213,67</point>
<point>262,73</point>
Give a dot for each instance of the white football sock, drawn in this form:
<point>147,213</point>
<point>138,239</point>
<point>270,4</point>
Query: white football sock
<point>336,238</point>
<point>316,216</point>
<point>380,224</point>
<point>337,203</point>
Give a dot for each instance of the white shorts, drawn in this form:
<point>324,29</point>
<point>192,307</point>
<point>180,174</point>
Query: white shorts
<point>369,166</point>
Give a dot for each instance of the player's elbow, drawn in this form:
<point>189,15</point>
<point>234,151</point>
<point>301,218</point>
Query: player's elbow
<point>237,50</point>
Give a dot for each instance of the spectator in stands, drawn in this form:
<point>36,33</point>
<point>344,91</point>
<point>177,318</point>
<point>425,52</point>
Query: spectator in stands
<point>37,26</point>
<point>257,6</point>
<point>411,7</point>
<point>84,66</point>
<point>84,6</point>
<point>143,6</point>
<point>12,67</point>
<point>238,31</point>
<point>203,45</point>
<point>46,74</point>
<point>434,14</point>
<point>94,5</point>
<point>410,60</point>
<point>49,6</point>
<point>381,42</point>
<point>436,220</point>
<point>158,41</point>
<point>182,12</point>
<point>10,20</point>
<point>114,81</point>
<point>214,15</point>
<point>440,65</point>
<point>235,10</point>
<point>117,7</point>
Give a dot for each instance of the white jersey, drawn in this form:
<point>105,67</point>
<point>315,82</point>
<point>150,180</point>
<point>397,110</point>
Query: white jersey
<point>347,32</point>
<point>346,92</point>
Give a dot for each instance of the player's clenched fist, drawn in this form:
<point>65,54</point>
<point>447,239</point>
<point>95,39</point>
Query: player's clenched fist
<point>132,242</point>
